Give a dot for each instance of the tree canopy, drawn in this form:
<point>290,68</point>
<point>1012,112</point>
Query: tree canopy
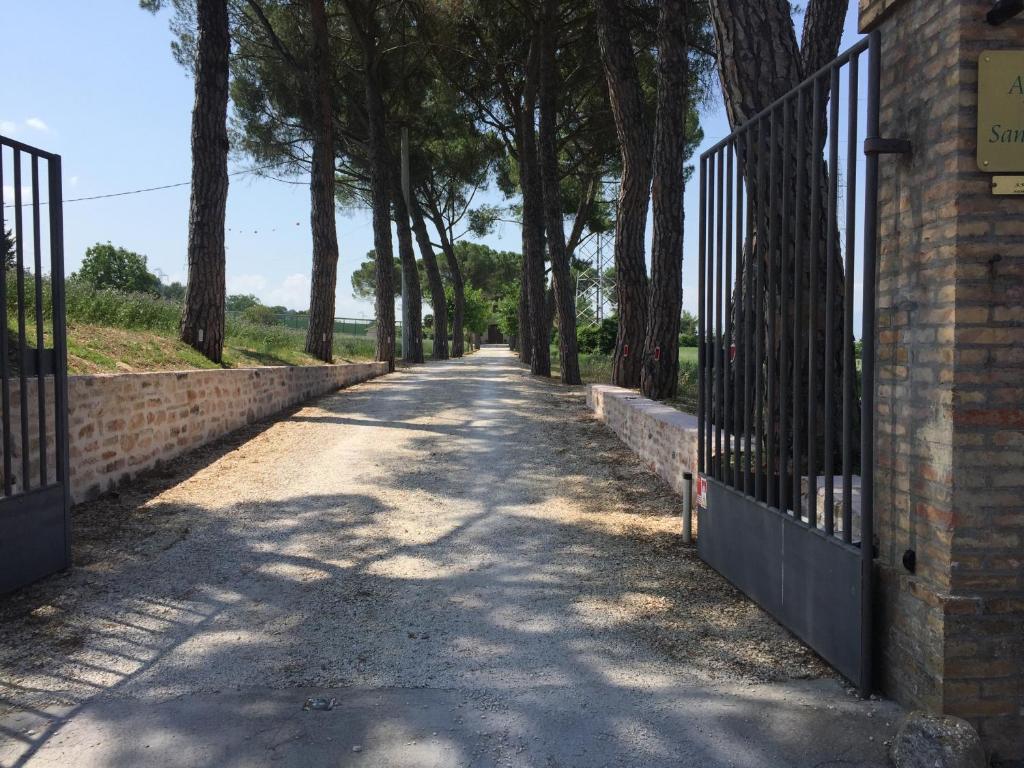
<point>112,267</point>
<point>7,252</point>
<point>525,98</point>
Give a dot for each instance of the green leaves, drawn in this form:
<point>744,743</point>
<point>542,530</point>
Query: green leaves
<point>108,267</point>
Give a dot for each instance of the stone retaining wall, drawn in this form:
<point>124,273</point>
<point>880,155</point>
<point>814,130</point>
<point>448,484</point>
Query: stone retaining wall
<point>121,424</point>
<point>666,439</point>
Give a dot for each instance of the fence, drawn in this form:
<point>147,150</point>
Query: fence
<point>34,502</point>
<point>784,237</point>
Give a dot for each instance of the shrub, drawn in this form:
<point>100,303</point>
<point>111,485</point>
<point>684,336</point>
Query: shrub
<point>257,314</point>
<point>587,338</point>
<point>107,266</point>
<point>607,332</point>
<point>87,304</point>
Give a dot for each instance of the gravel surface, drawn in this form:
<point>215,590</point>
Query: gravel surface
<point>458,527</point>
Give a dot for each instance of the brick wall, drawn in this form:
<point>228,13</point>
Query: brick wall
<point>950,423</point>
<point>666,439</point>
<point>122,424</point>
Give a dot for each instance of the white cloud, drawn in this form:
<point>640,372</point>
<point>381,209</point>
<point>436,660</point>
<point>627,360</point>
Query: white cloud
<point>8,127</point>
<point>74,181</point>
<point>26,194</point>
<point>36,124</point>
<point>254,284</point>
<point>292,293</point>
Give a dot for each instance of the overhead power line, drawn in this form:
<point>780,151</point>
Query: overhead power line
<point>242,172</point>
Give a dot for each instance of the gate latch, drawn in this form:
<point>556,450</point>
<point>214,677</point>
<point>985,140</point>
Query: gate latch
<point>876,145</point>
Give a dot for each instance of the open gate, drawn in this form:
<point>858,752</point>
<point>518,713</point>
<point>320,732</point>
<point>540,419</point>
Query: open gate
<point>34,497</point>
<point>786,444</point>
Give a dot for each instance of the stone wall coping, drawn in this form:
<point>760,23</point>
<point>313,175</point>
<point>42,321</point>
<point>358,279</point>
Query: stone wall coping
<point>659,411</point>
<point>177,372</point>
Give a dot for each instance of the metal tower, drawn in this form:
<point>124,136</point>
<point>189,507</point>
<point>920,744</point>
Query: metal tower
<point>595,285</point>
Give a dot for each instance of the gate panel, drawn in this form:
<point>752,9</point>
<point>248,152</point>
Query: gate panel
<point>810,583</point>
<point>34,497</point>
<point>785,439</point>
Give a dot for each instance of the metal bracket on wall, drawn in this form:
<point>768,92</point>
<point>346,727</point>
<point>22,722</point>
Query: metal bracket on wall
<point>879,146</point>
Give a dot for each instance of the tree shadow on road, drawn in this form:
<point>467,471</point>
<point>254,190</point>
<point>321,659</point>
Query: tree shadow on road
<point>543,594</point>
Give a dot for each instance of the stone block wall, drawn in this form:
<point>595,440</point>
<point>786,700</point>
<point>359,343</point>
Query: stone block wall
<point>122,424</point>
<point>950,401</point>
<point>666,439</point>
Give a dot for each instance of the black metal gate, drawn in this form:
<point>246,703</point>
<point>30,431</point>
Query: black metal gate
<point>35,499</point>
<point>786,391</point>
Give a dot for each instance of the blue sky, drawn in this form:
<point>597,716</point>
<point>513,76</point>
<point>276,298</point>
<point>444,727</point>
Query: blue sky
<point>96,83</point>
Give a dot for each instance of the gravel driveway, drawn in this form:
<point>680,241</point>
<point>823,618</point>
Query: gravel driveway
<point>474,570</point>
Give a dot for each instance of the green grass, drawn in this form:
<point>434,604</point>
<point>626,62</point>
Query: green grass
<point>596,368</point>
<point>115,331</point>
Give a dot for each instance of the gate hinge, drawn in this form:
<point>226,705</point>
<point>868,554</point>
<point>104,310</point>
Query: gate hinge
<point>879,146</point>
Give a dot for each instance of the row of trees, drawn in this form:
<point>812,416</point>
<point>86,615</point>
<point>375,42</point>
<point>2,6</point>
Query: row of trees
<point>326,94</point>
<point>549,99</point>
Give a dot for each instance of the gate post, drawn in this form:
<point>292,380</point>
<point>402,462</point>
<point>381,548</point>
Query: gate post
<point>949,482</point>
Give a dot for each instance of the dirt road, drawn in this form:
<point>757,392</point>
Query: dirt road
<point>475,571</point>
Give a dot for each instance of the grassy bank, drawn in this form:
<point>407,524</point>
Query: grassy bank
<point>596,368</point>
<point>110,331</point>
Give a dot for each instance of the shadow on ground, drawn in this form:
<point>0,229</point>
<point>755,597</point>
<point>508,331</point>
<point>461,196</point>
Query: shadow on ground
<point>476,571</point>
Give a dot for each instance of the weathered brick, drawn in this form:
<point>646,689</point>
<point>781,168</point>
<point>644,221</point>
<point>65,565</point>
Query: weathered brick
<point>949,479</point>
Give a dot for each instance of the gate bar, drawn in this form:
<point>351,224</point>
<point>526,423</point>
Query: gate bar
<point>783,496</point>
<point>60,342</point>
<point>19,252</point>
<point>701,341</point>
<point>5,382</point>
<point>849,364</point>
<point>719,193</point>
<point>798,271</point>
<point>748,322</point>
<point>773,244</point>
<point>737,308</point>
<point>759,315</point>
<point>726,301</point>
<point>830,285</point>
<point>812,310</point>
<point>40,338</point>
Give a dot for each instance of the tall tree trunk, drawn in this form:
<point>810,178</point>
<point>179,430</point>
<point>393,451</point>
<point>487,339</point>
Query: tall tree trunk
<point>523,313</point>
<point>561,277</point>
<point>202,320</point>
<point>320,334</point>
<point>760,60</point>
<point>437,298</point>
<point>823,31</point>
<point>380,196</point>
<point>412,301</point>
<point>455,274</point>
<point>533,217</point>
<point>660,372</point>
<point>627,102</point>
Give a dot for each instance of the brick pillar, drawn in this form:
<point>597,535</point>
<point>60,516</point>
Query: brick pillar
<point>950,419</point>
